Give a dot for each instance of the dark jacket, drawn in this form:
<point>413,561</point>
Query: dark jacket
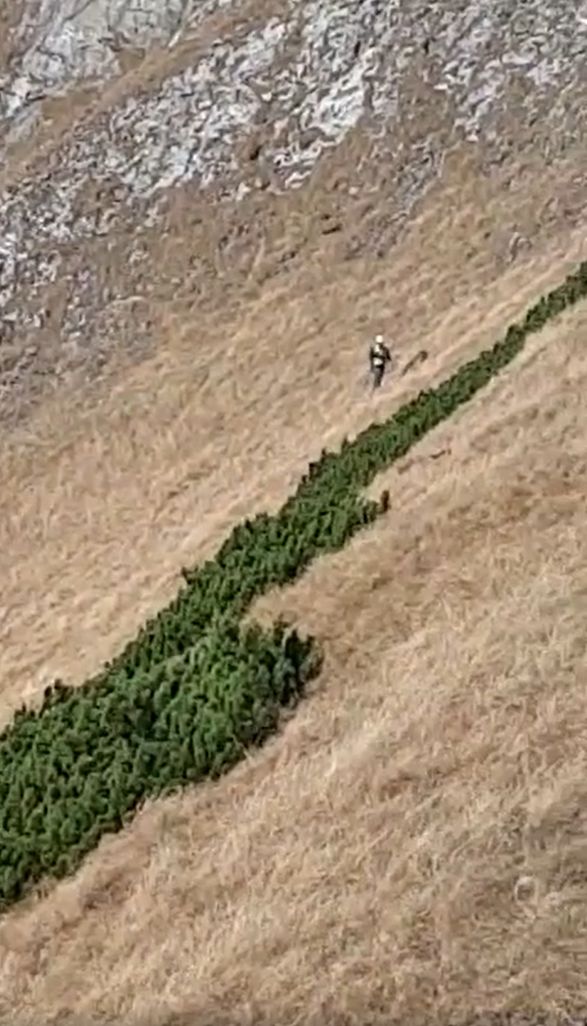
<point>379,355</point>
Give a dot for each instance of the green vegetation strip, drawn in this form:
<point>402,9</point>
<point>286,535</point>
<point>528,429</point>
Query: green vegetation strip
<point>195,689</point>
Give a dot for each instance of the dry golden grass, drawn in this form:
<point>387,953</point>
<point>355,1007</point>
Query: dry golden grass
<point>413,846</point>
<point>100,506</point>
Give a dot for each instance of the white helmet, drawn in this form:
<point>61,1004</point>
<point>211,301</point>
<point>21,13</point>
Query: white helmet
<point>379,340</point>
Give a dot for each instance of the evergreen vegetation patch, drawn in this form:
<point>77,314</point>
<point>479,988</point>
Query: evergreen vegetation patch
<point>195,688</point>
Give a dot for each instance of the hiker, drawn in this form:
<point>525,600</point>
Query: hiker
<point>379,357</point>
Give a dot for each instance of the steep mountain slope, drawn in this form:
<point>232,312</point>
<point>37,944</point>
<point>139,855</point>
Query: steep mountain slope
<point>253,189</point>
<point>413,846</point>
<point>180,177</point>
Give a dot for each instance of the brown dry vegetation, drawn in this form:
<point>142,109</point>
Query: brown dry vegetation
<point>413,846</point>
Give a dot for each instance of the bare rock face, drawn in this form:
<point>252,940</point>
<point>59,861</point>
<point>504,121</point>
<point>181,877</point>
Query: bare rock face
<point>59,43</point>
<point>246,99</point>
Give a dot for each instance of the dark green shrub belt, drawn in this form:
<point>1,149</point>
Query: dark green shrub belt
<point>193,689</point>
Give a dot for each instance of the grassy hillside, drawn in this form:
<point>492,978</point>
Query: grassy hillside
<point>411,848</point>
<point>332,772</point>
<point>190,693</point>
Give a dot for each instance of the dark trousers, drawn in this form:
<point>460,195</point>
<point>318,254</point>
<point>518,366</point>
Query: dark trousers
<point>377,372</point>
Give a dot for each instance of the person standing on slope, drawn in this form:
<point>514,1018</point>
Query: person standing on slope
<point>379,358</point>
